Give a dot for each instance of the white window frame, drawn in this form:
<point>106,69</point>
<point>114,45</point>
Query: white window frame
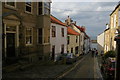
<point>38,9</point>
<point>9,6</point>
<point>29,6</point>
<point>46,8</point>
<point>43,9</point>
<point>29,35</point>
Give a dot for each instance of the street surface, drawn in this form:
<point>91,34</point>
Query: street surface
<point>86,69</point>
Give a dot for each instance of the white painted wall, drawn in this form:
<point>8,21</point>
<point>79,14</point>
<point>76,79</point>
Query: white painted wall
<point>58,40</point>
<point>100,41</point>
<point>87,45</point>
<point>82,41</point>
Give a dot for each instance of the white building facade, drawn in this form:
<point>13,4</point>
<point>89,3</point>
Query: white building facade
<point>58,39</point>
<point>86,44</point>
<point>100,43</point>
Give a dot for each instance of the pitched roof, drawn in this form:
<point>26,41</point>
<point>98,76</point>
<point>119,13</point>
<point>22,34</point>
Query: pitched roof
<point>86,36</point>
<point>71,31</point>
<point>81,28</point>
<point>115,8</point>
<point>57,21</point>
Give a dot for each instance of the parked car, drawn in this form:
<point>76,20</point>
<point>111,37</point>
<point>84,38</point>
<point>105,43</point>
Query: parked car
<point>63,56</point>
<point>70,58</point>
<point>108,67</point>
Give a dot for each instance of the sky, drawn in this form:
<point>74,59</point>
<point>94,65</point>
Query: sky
<point>92,14</point>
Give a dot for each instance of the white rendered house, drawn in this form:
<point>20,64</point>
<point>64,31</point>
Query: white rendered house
<point>58,38</point>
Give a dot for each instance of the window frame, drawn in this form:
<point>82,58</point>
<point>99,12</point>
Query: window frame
<point>29,6</point>
<point>46,8</point>
<point>39,7</point>
<point>29,35</point>
<point>39,36</point>
<point>62,49</point>
<point>53,34</point>
<point>68,40</point>
<point>10,6</point>
<point>62,32</point>
<point>76,39</point>
<point>71,50</point>
<point>43,8</point>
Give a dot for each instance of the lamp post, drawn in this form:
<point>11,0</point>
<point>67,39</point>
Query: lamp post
<point>117,39</point>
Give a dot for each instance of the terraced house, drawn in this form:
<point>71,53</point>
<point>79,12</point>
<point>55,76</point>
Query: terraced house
<point>114,25</point>
<point>26,31</point>
<point>73,41</point>
<point>58,38</point>
<point>110,32</point>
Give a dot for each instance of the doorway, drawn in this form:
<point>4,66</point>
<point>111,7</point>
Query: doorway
<point>10,44</point>
<point>53,52</point>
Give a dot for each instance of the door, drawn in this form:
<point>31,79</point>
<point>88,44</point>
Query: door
<point>10,44</point>
<point>76,50</point>
<point>53,52</point>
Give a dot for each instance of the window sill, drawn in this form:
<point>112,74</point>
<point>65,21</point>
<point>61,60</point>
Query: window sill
<point>28,44</point>
<point>48,15</point>
<point>46,43</point>
<point>43,44</point>
<point>28,12</point>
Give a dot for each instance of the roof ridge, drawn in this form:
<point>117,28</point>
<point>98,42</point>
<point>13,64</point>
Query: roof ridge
<point>56,18</point>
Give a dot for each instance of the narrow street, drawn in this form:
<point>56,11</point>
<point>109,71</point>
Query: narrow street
<point>87,68</point>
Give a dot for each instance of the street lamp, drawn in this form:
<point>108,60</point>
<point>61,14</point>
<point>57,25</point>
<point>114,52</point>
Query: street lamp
<point>117,39</point>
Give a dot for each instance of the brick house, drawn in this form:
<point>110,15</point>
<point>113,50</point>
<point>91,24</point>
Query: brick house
<point>26,31</point>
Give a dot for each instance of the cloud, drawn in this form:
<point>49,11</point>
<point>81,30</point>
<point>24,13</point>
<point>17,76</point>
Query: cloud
<point>93,15</point>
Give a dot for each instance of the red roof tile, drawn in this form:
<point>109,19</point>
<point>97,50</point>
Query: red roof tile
<point>71,31</point>
<point>55,20</point>
<point>81,28</point>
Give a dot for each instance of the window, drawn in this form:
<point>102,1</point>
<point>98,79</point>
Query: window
<point>40,35</point>
<point>53,31</point>
<point>44,8</point>
<point>47,8</point>
<point>76,50</point>
<point>68,39</point>
<point>62,31</point>
<point>71,50</point>
<point>12,4</point>
<point>53,52</point>
<point>28,6</point>
<point>62,49</point>
<point>29,36</point>
<point>76,39</point>
<point>40,10</point>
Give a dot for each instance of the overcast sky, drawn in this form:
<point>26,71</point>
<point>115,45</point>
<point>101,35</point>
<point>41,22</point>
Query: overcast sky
<point>93,14</point>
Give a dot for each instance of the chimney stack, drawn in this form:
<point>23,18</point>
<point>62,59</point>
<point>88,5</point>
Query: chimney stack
<point>75,22</point>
